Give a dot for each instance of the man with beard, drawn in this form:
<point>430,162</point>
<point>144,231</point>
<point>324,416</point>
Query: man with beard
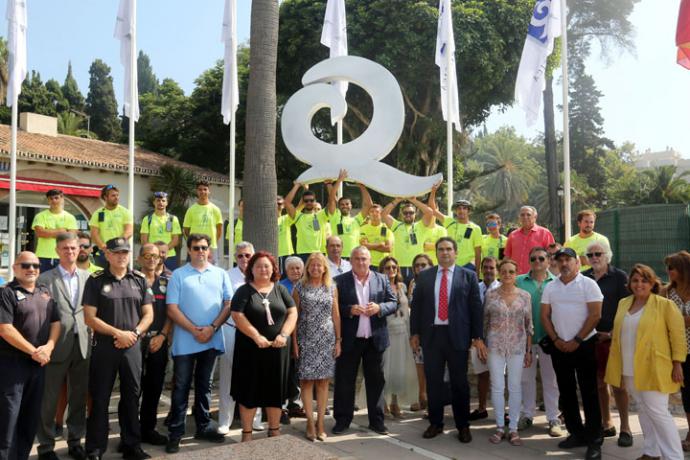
<point>110,221</point>
<point>84,257</point>
<point>343,224</point>
<point>586,236</point>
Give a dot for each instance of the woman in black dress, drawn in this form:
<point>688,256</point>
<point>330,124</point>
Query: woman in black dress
<point>265,315</point>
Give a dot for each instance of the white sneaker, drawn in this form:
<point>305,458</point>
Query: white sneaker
<point>223,429</point>
<point>258,426</point>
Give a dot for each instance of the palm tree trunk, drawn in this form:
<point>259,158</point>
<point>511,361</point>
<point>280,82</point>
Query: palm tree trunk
<point>552,175</point>
<point>260,185</point>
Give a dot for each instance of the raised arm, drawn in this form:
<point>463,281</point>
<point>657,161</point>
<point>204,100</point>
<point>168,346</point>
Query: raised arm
<point>289,207</point>
<point>333,192</point>
<point>367,202</point>
<point>427,212</point>
<point>386,212</point>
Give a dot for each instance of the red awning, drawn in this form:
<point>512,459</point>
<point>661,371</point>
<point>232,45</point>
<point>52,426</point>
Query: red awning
<point>683,34</point>
<point>43,185</point>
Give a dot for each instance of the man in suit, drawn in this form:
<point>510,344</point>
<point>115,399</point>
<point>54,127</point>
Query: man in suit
<point>70,358</point>
<point>365,299</point>
<point>446,318</point>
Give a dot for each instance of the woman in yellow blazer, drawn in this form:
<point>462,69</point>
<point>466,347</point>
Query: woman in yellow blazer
<point>647,349</point>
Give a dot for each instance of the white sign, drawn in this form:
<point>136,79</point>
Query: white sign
<point>360,157</point>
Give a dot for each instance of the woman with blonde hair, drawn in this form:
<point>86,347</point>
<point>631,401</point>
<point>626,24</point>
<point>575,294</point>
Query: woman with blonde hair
<point>647,351</point>
<point>316,343</point>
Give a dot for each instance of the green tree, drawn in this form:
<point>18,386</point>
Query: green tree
<point>69,123</point>
<point>164,117</point>
<point>179,183</point>
<point>57,99</point>
<point>101,104</point>
<point>35,96</point>
<point>70,91</point>
<point>146,79</point>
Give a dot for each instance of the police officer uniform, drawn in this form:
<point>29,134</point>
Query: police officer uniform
<point>119,303</point>
<point>21,385</point>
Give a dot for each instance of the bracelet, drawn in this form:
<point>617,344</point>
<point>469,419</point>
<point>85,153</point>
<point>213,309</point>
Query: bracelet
<point>164,335</point>
<point>338,339</point>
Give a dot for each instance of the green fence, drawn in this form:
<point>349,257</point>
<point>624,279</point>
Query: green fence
<point>645,234</point>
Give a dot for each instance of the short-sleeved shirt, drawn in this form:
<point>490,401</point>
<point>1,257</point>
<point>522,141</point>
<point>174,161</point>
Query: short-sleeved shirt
<point>580,244</point>
<point>29,312</point>
<point>569,304</point>
<point>310,231</point>
<point>520,244</point>
<point>432,235</point>
<point>284,236</point>
<point>614,287</point>
<point>110,222</point>
<point>199,294</point>
<point>467,236</point>
<point>492,247</point>
<point>237,233</point>
<point>160,307</point>
<point>377,234</point>
<point>408,241</point>
<point>203,218</point>
<point>161,228</point>
<point>45,248</point>
<point>347,228</point>
<point>248,301</point>
<point>535,290</point>
<point>118,302</point>
<point>93,268</point>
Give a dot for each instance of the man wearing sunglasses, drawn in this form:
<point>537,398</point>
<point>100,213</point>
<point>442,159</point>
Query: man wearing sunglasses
<point>343,224</point>
<point>586,236</point>
<point>493,243</point>
<point>29,330</point>
<point>50,223</point>
<point>162,226</point>
<point>308,222</point>
<point>84,256</point>
<point>467,234</point>
<point>110,221</point>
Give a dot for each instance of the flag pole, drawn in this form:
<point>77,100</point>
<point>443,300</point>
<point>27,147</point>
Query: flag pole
<point>231,197</point>
<point>13,187</point>
<point>132,105</point>
<point>566,124</point>
<point>449,126</point>
<point>339,127</point>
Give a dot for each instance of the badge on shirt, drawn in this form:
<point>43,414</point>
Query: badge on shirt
<point>20,296</point>
<point>107,288</point>
<point>149,291</point>
<point>162,288</point>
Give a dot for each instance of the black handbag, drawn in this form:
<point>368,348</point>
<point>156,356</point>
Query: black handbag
<point>547,345</point>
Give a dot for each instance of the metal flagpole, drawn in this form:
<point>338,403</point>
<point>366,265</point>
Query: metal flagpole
<point>13,187</point>
<point>449,126</point>
<point>132,105</point>
<point>340,141</point>
<point>231,209</point>
<point>566,125</point>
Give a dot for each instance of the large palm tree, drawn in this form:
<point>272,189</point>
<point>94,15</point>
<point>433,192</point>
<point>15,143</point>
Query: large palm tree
<point>260,185</point>
<point>669,187</point>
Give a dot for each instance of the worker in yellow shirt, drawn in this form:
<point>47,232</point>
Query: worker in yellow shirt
<point>308,222</point>
<point>586,236</point>
<point>205,218</point>
<point>343,224</point>
<point>285,248</point>
<point>466,234</point>
<point>48,224</point>
<point>237,225</point>
<point>376,237</point>
<point>493,243</point>
<point>110,221</point>
<point>162,226</point>
<point>84,256</point>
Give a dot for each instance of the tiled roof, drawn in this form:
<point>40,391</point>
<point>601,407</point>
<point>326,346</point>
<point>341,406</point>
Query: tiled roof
<point>95,154</point>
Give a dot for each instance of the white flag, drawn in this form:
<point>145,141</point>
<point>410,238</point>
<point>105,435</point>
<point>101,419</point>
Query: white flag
<point>544,27</point>
<point>125,30</point>
<point>231,91</point>
<point>16,44</point>
<point>445,45</point>
<point>334,34</point>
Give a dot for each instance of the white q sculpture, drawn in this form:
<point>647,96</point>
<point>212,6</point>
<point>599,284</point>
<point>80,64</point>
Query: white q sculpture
<point>361,156</point>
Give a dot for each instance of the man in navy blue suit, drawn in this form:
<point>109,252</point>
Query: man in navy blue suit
<point>365,299</point>
<point>446,319</point>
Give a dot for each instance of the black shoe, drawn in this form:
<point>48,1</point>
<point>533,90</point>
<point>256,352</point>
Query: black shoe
<point>77,452</point>
<point>211,436</point>
<point>59,430</point>
<point>154,438</point>
<point>464,435</point>
<point>478,415</point>
<point>120,447</point>
<point>593,452</point>
<point>380,429</point>
<point>173,445</point>
<point>571,442</point>
<point>432,431</point>
<point>625,439</point>
<point>610,432</point>
<point>134,453</point>
<point>48,456</point>
<point>284,417</point>
<point>340,427</point>
<point>93,456</point>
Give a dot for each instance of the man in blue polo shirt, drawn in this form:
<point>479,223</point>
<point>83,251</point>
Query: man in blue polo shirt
<point>198,300</point>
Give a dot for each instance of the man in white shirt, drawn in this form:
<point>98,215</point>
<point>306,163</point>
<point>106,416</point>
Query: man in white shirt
<point>336,264</point>
<point>570,310</point>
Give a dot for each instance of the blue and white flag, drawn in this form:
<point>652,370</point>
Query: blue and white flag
<point>544,27</point>
<point>445,46</point>
<point>16,44</point>
<point>334,34</point>
<point>125,31</point>
<point>231,91</point>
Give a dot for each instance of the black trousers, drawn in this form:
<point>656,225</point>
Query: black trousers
<point>345,375</point>
<point>579,368</point>
<point>107,362</point>
<point>152,379</point>
<point>685,389</point>
<point>438,353</point>
<point>21,389</point>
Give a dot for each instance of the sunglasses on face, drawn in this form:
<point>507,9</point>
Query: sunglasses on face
<point>160,195</point>
<point>594,254</point>
<point>85,246</point>
<point>492,224</point>
<point>199,248</point>
<point>408,213</point>
<point>27,266</point>
<point>535,258</point>
<point>244,256</point>
<point>150,256</point>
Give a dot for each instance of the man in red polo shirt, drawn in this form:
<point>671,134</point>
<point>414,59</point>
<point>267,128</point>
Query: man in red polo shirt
<point>529,235</point>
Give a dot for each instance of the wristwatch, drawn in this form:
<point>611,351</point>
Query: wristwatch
<point>136,331</point>
<point>578,339</point>
<point>285,336</point>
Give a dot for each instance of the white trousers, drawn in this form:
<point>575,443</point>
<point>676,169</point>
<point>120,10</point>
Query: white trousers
<point>548,383</point>
<point>498,365</point>
<point>658,428</point>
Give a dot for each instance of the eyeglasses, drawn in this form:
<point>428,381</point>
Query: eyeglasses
<point>199,248</point>
<point>594,254</point>
<point>85,246</point>
<point>27,266</point>
<point>539,258</point>
<point>150,256</point>
<point>160,195</point>
<point>243,256</point>
<point>409,213</point>
<point>390,267</point>
<point>492,224</point>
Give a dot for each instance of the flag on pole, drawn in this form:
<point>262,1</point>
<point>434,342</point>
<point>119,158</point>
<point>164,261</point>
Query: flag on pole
<point>334,34</point>
<point>544,27</point>
<point>231,91</point>
<point>683,34</point>
<point>445,60</point>
<point>124,30</point>
<point>16,44</point>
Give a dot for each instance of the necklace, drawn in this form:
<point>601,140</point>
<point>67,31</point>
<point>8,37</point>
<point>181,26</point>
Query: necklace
<point>267,306</point>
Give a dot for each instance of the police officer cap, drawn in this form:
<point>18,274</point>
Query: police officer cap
<point>464,203</point>
<point>570,252</point>
<point>117,244</point>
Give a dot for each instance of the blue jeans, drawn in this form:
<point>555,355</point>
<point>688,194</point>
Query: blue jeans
<point>200,366</point>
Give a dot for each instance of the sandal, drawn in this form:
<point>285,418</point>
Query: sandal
<point>514,439</point>
<point>273,430</point>
<point>414,407</point>
<point>310,436</point>
<point>498,436</point>
<point>247,435</point>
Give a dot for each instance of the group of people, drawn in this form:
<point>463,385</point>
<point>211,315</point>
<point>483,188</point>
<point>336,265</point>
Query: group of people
<point>409,300</point>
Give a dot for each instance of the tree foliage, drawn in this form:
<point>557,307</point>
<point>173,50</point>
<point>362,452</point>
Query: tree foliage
<point>101,104</point>
<point>146,80</point>
<point>70,91</point>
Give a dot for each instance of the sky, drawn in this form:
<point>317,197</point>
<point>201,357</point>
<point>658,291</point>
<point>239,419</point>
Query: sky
<point>645,94</point>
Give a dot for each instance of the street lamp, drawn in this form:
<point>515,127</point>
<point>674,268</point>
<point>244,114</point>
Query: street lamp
<point>559,217</point>
<point>88,121</point>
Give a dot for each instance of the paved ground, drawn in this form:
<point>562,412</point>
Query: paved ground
<point>404,442</point>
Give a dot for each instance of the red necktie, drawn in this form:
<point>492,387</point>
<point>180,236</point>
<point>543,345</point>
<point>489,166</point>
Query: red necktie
<point>443,296</point>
